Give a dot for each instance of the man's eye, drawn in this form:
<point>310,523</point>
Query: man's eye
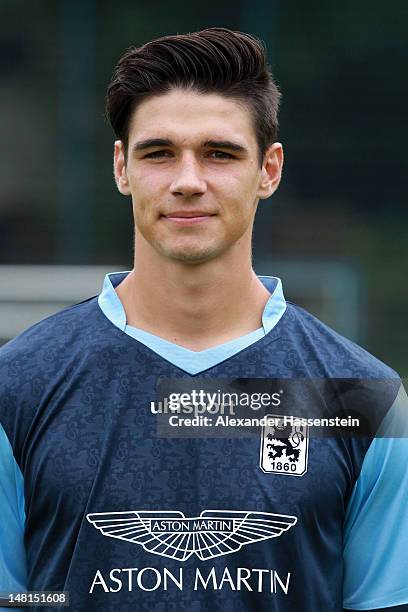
<point>221,155</point>
<point>157,154</point>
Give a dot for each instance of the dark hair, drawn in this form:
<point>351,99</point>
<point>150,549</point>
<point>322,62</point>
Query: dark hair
<point>215,60</point>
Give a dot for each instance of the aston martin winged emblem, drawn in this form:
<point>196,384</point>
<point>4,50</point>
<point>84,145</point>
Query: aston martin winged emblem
<point>172,534</point>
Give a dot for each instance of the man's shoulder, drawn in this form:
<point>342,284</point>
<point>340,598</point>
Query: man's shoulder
<point>37,363</point>
<point>341,356</point>
<point>65,327</point>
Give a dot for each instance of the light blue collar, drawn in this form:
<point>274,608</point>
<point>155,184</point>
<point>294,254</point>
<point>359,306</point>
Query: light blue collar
<point>192,362</point>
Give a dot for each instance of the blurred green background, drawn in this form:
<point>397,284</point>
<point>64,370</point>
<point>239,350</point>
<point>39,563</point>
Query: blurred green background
<point>342,71</point>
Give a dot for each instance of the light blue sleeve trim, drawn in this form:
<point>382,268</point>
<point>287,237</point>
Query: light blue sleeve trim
<point>376,524</point>
<point>192,362</point>
<point>13,573</point>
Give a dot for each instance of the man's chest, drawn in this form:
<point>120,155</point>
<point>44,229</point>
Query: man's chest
<point>106,452</point>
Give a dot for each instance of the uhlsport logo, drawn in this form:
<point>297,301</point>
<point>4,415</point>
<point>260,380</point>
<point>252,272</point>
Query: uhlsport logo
<point>171,534</point>
<point>284,446</point>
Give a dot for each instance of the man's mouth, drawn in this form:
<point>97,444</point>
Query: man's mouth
<point>188,217</point>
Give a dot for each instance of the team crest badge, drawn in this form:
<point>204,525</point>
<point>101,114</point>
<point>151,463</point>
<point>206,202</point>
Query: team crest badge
<point>284,447</point>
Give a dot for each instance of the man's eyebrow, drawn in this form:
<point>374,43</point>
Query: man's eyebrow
<point>225,144</point>
<point>165,142</point>
<point>151,142</point>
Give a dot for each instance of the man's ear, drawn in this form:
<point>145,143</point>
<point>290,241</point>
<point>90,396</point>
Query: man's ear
<point>119,168</point>
<point>271,171</point>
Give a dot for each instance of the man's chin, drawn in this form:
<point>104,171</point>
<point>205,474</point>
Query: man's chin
<point>191,256</point>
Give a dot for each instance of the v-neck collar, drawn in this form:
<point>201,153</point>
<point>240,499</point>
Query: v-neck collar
<point>192,362</point>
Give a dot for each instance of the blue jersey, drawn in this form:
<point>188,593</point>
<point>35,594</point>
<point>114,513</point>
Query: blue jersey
<point>101,505</point>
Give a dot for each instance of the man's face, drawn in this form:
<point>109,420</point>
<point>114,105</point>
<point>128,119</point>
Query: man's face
<point>193,173</point>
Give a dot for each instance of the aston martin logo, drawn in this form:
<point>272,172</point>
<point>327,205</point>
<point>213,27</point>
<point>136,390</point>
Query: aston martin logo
<point>172,534</point>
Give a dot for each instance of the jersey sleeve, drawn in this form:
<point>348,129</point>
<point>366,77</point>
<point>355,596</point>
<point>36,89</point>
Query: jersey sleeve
<point>12,551</point>
<point>403,608</point>
<point>376,523</point>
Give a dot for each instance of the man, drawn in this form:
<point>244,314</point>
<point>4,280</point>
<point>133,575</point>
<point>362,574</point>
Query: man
<point>115,509</point>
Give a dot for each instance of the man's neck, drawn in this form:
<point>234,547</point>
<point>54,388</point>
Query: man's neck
<point>195,306</point>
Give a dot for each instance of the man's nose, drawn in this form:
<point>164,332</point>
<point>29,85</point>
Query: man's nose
<point>188,179</point>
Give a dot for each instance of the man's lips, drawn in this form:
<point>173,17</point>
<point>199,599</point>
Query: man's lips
<point>188,217</point>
